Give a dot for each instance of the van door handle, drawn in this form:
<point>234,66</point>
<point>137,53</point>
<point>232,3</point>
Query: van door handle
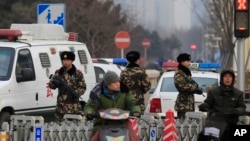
<point>36,96</point>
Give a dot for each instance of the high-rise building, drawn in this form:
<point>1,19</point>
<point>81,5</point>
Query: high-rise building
<point>164,16</point>
<point>182,14</point>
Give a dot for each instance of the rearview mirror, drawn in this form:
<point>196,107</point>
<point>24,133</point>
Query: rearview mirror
<point>26,75</point>
<point>151,91</point>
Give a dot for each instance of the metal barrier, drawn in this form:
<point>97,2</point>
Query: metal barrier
<point>26,128</point>
<point>76,128</point>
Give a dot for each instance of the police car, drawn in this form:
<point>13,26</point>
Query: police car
<point>164,95</point>
<point>102,65</point>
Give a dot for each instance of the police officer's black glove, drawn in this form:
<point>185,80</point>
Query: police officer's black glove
<point>199,91</point>
<point>90,116</point>
<point>140,101</point>
<point>57,83</point>
<point>204,107</point>
<point>136,114</point>
<point>235,111</point>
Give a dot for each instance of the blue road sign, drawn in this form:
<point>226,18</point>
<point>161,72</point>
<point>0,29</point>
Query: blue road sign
<point>51,14</point>
<point>38,133</point>
<point>152,133</point>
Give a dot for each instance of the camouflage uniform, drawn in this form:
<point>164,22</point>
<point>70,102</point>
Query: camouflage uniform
<point>136,79</point>
<point>66,102</point>
<point>186,87</point>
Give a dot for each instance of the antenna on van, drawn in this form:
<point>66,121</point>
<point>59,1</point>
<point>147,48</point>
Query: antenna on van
<point>51,75</point>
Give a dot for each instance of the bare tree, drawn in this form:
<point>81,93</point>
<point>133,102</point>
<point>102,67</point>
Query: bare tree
<point>97,23</point>
<point>220,17</point>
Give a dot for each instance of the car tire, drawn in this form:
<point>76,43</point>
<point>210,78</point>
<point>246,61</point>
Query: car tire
<point>4,117</point>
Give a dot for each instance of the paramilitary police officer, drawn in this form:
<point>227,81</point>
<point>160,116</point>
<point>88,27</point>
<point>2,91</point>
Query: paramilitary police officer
<point>135,78</point>
<point>186,86</point>
<point>71,85</point>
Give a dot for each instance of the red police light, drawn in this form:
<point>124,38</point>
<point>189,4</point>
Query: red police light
<point>241,18</point>
<point>10,34</point>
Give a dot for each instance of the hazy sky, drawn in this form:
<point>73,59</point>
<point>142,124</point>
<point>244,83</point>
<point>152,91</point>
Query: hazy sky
<point>164,16</point>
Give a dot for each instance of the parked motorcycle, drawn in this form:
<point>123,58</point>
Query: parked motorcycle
<point>118,125</point>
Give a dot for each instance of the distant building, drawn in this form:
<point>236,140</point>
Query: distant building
<point>164,16</point>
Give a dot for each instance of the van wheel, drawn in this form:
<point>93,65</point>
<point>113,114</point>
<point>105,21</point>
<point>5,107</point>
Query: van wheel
<point>4,117</point>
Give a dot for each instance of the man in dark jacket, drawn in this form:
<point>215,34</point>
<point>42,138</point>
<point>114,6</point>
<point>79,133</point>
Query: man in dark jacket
<point>109,94</point>
<point>226,101</point>
<point>186,86</point>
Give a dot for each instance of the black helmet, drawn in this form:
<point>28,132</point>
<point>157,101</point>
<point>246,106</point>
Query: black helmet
<point>226,71</point>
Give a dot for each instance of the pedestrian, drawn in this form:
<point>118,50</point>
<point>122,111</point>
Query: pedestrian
<point>186,86</point>
<point>109,93</point>
<point>224,103</point>
<point>135,78</point>
<point>71,85</point>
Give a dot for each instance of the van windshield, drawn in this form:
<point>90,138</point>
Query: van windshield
<point>168,83</point>
<point>6,62</point>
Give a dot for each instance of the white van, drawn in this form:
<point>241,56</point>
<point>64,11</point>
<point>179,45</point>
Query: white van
<point>36,48</point>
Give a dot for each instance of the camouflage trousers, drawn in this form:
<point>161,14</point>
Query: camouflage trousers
<point>140,99</point>
<point>62,109</point>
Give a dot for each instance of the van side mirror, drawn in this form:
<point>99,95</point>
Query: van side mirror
<point>151,91</point>
<point>26,75</point>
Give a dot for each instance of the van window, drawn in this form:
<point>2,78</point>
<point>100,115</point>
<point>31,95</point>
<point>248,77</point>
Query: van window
<point>44,58</point>
<point>6,61</point>
<point>99,73</point>
<point>24,64</point>
<point>168,83</point>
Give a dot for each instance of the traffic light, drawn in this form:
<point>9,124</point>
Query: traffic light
<point>241,18</point>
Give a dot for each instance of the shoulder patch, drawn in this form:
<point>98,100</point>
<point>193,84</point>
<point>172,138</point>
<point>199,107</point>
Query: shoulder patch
<point>179,70</point>
<point>78,70</point>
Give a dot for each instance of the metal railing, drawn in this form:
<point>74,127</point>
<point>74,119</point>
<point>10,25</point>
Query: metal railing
<point>76,128</point>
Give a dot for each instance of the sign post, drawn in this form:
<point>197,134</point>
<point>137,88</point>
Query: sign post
<point>146,44</point>
<point>51,14</point>
<point>122,41</point>
<point>241,31</point>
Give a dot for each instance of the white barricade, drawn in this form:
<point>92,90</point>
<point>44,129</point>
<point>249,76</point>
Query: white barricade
<point>76,128</point>
<point>26,128</point>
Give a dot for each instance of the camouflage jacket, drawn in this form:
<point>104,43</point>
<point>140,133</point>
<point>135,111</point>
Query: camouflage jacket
<point>186,87</point>
<point>74,79</point>
<point>136,79</point>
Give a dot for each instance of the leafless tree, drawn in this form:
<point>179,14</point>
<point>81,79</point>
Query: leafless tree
<point>219,17</point>
<point>96,24</point>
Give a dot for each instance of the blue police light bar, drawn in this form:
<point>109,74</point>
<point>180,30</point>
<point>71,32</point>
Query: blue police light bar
<point>209,66</point>
<point>120,61</point>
